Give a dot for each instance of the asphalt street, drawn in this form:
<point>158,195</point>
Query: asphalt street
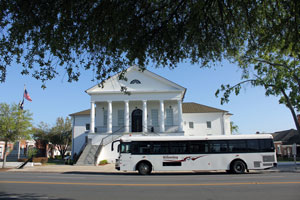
<point>204,186</point>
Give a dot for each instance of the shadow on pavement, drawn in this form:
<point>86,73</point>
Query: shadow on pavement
<point>4,195</point>
<point>156,173</point>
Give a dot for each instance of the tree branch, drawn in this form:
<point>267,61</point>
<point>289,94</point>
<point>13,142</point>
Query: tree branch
<point>289,104</point>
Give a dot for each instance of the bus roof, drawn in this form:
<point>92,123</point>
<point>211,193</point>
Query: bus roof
<point>188,138</point>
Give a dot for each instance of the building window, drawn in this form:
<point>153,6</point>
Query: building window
<point>87,127</point>
<point>154,117</point>
<point>191,124</point>
<point>208,124</point>
<point>169,117</point>
<point>135,81</point>
<point>105,118</point>
<point>121,118</point>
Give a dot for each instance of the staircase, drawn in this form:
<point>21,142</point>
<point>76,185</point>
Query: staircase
<point>16,153</point>
<point>90,154</point>
<point>87,157</point>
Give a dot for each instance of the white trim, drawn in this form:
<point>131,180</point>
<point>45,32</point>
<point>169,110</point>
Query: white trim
<point>147,72</point>
<point>92,115</point>
<point>180,120</point>
<point>145,125</point>
<point>109,117</point>
<point>162,116</point>
<point>126,113</point>
<point>180,138</point>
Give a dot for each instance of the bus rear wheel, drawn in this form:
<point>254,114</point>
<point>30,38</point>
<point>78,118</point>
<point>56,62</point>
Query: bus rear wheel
<point>238,167</point>
<point>144,168</point>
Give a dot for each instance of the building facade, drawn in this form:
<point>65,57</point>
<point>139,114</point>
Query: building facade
<point>150,105</point>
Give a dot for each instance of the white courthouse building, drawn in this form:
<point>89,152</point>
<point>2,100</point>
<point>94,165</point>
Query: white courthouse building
<point>153,105</point>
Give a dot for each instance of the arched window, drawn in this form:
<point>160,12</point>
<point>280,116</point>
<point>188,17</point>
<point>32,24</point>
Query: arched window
<point>135,81</point>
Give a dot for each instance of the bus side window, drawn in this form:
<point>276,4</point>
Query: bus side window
<point>218,146</point>
<point>160,147</point>
<point>141,147</point>
<point>266,145</point>
<point>198,147</point>
<point>237,146</point>
<point>178,147</point>
<point>253,146</point>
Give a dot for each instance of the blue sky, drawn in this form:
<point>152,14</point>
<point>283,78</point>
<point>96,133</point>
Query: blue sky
<point>251,110</point>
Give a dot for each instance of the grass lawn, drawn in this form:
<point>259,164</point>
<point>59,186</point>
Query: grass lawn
<point>280,159</point>
<point>55,162</point>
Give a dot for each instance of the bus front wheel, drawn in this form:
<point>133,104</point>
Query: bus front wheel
<point>144,168</point>
<point>238,167</point>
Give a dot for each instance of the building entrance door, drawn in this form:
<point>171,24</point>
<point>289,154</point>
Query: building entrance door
<point>137,120</point>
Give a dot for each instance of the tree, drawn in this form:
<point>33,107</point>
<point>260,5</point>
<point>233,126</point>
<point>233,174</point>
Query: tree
<point>61,135</point>
<point>271,59</point>
<point>107,36</point>
<point>233,128</point>
<point>15,124</point>
<point>41,137</point>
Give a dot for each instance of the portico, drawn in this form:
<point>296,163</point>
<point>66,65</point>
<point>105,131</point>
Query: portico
<point>154,104</point>
<point>160,116</point>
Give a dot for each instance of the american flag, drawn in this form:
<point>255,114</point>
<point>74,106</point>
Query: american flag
<point>26,95</point>
<point>21,104</point>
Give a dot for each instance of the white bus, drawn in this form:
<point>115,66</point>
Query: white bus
<point>235,154</point>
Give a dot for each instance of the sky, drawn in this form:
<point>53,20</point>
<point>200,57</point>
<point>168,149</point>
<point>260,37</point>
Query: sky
<point>252,110</point>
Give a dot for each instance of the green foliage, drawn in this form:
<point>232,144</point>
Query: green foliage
<point>60,135</point>
<point>31,152</point>
<point>55,162</point>
<point>270,59</point>
<point>107,36</point>
<point>41,132</point>
<point>15,123</point>
<point>103,162</point>
<point>234,128</point>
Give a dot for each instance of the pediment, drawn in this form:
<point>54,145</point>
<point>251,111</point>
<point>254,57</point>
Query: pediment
<point>137,81</point>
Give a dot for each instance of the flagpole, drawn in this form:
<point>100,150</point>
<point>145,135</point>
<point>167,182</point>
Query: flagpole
<point>24,91</point>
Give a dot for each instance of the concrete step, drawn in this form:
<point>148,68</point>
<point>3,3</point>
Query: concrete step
<point>88,155</point>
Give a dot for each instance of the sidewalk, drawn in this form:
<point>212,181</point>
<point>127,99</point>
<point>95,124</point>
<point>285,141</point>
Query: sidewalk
<point>110,168</point>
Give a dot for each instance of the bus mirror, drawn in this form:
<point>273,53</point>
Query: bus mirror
<point>119,148</point>
<point>112,145</point>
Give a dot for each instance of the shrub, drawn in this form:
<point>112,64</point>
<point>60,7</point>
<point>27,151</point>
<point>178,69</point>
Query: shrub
<point>42,160</point>
<point>31,152</point>
<point>58,157</point>
<point>103,162</point>
<point>22,159</point>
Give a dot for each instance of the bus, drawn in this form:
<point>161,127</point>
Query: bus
<point>234,153</point>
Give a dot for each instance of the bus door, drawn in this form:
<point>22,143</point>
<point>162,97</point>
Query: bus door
<point>125,155</point>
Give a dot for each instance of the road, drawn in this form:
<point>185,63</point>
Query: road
<point>184,186</point>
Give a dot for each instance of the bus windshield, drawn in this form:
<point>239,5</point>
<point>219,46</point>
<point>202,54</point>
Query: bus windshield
<point>125,147</point>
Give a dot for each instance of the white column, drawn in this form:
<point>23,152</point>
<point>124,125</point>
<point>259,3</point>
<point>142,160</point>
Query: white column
<point>92,124</point>
<point>126,117</point>
<point>145,125</point>
<point>162,117</point>
<point>109,117</point>
<point>223,124</point>
<point>180,121</point>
